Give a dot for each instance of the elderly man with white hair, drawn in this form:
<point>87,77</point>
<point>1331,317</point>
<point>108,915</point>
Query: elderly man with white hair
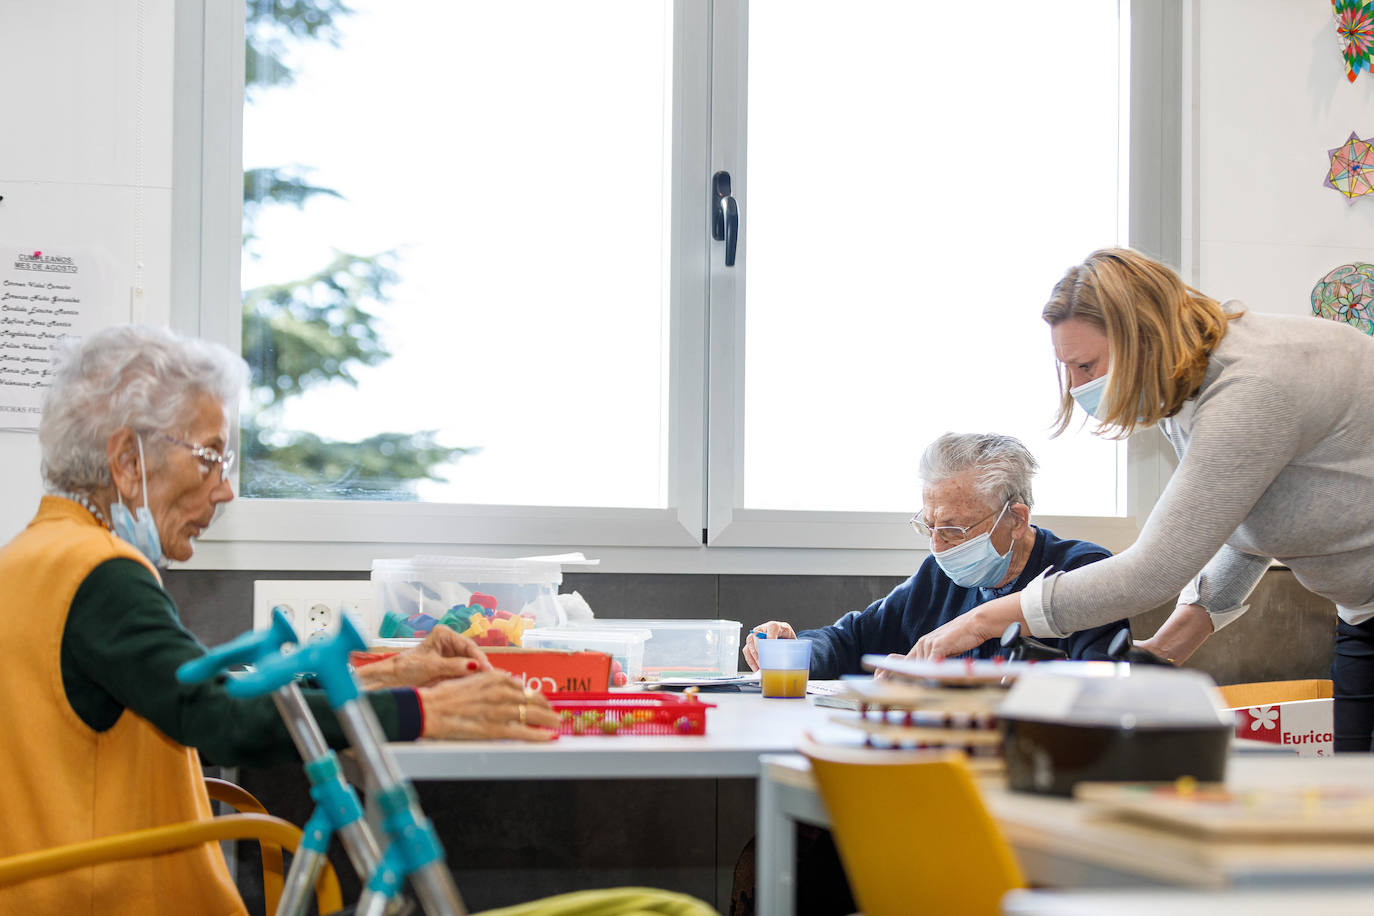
<point>102,737</point>
<point>977,495</point>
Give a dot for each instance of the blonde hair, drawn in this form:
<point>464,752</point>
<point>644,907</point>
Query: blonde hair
<point>1160,334</point>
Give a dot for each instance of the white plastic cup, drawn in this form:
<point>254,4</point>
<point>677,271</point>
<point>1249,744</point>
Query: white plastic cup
<point>784,665</point>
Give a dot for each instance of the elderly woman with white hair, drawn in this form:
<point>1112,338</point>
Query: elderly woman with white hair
<point>102,737</point>
<point>977,495</point>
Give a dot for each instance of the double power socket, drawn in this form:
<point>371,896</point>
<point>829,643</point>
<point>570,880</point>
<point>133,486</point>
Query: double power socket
<point>315,606</point>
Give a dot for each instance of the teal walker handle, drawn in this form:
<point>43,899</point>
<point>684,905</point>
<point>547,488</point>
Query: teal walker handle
<point>250,648</point>
<point>326,659</point>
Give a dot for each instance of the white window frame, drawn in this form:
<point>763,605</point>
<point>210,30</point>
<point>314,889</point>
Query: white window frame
<point>705,529</point>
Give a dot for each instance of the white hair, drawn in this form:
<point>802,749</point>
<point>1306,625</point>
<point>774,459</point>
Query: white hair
<point>145,378</point>
<point>1004,465</point>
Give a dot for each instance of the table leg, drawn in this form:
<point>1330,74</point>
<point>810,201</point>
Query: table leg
<point>775,868</point>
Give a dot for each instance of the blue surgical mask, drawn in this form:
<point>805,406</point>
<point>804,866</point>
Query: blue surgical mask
<point>139,529</point>
<point>1089,395</point>
<point>975,563</point>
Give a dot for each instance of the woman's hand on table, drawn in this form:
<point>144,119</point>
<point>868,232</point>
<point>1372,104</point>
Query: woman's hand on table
<point>1180,635</point>
<point>444,654</point>
<point>773,629</point>
<point>489,704</point>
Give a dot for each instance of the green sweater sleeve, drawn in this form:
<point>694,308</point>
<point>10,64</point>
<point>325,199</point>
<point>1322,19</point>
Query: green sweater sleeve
<point>121,648</point>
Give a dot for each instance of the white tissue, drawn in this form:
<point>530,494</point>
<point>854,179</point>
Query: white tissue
<point>575,607</point>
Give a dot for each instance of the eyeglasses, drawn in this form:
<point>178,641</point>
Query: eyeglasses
<point>952,534</point>
<point>208,457</point>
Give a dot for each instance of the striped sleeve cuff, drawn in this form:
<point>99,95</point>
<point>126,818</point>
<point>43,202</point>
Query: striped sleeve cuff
<point>1192,594</point>
<point>1222,618</point>
<point>1035,603</point>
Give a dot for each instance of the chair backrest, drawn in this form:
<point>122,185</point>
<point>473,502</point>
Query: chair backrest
<point>1267,693</point>
<point>912,831</point>
<point>245,802</point>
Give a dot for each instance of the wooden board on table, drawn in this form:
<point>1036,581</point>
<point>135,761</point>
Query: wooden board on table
<point>1210,810</point>
<point>950,671</point>
<point>930,736</point>
<point>899,694</point>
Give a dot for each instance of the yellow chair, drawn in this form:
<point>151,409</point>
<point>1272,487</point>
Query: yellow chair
<point>912,831</point>
<point>272,833</point>
<point>1267,693</point>
<point>245,802</point>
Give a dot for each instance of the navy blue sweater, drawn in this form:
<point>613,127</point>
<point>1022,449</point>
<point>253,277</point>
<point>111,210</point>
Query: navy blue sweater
<point>930,598</point>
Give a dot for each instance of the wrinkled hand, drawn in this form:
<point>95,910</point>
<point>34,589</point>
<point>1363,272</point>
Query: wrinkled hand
<point>882,673</point>
<point>444,654</point>
<point>967,631</point>
<point>775,629</point>
<point>490,704</point>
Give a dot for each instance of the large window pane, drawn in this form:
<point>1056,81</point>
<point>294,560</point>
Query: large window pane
<point>919,176</point>
<point>494,175</point>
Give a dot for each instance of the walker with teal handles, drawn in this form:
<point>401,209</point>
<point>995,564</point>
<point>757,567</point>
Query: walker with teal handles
<point>413,849</point>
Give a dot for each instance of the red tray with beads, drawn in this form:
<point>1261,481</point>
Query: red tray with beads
<point>629,714</point>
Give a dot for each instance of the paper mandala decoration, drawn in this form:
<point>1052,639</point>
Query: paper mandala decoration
<point>1355,26</point>
<point>1352,168</point>
<point>1347,294</point>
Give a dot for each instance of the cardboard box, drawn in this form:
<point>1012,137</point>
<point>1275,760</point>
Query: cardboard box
<point>552,671</point>
<point>549,671</point>
<point>1302,726</point>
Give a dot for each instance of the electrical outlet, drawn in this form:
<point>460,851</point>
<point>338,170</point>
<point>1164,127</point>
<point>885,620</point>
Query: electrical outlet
<point>315,606</point>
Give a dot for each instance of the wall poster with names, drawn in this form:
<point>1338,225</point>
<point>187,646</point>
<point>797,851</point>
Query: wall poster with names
<point>45,297</point>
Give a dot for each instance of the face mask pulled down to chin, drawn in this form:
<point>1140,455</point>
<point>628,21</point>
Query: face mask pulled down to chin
<point>138,528</point>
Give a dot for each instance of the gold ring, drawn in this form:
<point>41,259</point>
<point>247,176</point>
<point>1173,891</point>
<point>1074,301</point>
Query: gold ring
<point>522,713</point>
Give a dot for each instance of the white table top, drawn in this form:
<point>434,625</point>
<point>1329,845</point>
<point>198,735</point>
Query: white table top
<point>740,728</point>
<point>1135,902</point>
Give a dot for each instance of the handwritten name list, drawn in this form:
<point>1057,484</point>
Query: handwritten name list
<point>42,298</point>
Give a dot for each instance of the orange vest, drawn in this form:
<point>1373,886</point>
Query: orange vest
<point>62,782</point>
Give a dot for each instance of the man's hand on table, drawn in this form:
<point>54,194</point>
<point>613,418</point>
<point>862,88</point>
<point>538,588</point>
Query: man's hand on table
<point>773,629</point>
<point>969,630</point>
<point>488,704</point>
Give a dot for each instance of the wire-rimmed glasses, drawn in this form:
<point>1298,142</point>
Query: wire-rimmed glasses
<point>209,457</point>
<point>953,534</point>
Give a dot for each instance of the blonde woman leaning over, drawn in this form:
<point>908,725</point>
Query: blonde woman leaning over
<point>1273,421</point>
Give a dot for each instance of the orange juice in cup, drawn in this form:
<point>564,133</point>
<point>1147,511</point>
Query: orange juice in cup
<point>783,666</point>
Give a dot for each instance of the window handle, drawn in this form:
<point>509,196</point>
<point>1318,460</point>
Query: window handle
<point>724,216</point>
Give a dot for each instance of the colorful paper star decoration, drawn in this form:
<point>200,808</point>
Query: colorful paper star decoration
<point>1355,26</point>
<point>1347,294</point>
<point>1352,168</point>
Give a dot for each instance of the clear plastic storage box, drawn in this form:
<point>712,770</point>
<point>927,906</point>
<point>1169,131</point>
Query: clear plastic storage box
<point>683,648</point>
<point>492,601</point>
<point>625,645</point>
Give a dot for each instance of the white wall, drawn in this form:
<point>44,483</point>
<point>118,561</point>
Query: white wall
<point>70,161</point>
<point>1269,98</point>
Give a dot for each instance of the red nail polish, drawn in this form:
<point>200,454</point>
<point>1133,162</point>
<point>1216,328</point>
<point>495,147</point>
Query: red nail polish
<point>472,666</point>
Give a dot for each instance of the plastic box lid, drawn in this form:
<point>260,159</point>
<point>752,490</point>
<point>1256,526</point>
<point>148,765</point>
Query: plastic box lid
<point>685,647</point>
<point>470,569</point>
